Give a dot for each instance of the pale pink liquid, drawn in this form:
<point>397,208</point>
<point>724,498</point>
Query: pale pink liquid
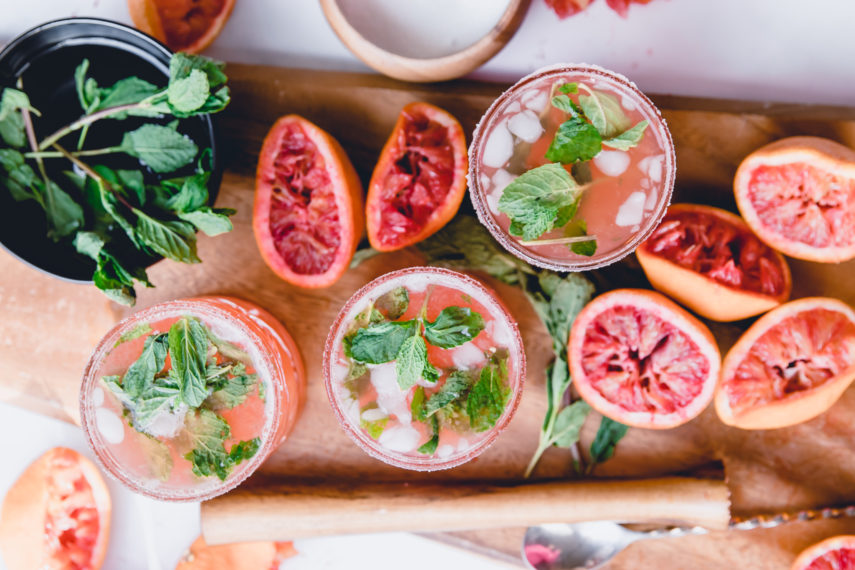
<point>630,189</point>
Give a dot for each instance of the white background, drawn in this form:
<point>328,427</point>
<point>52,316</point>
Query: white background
<point>768,50</point>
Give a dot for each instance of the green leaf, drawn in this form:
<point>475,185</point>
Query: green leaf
<point>538,198</point>
<point>11,120</point>
<point>394,303</point>
<point>604,111</point>
<point>64,215</point>
<point>126,91</point>
<point>133,334</point>
<point>234,392</point>
<point>207,433</point>
<point>157,399</point>
<point>627,139</point>
<point>453,327</point>
<point>188,351</point>
<point>244,450</point>
<point>85,97</point>
<point>608,435</point>
<point>110,282</point>
<point>429,447</point>
<point>568,88</point>
<point>182,65</point>
<point>212,222</point>
<point>569,423</point>
<point>160,148</point>
<point>110,204</point>
<point>456,387</point>
<point>412,363</point>
<point>192,196</point>
<point>20,177</point>
<point>576,140</point>
<point>579,228</point>
<point>374,428</point>
<point>173,239</point>
<point>381,342</point>
<point>488,397</point>
<point>140,374</point>
<point>188,94</point>
<point>417,405</point>
<point>133,180</point>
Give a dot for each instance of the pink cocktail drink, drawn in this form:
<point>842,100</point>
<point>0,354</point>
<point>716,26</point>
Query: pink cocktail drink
<point>571,168</point>
<point>424,367</point>
<point>184,400</point>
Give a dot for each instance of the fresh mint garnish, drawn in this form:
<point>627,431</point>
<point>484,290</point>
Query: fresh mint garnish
<point>455,388</point>
<point>231,392</point>
<point>489,395</point>
<point>453,327</point>
<point>604,111</point>
<point>207,433</point>
<point>133,334</point>
<point>575,141</point>
<point>429,447</point>
<point>159,147</point>
<point>411,363</point>
<point>627,139</point>
<point>188,351</point>
<point>140,374</point>
<point>374,428</point>
<point>608,435</point>
<point>394,303</point>
<point>379,343</point>
<point>578,228</point>
<point>537,200</point>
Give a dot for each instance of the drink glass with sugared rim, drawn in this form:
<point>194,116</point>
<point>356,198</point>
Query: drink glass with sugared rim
<point>630,189</point>
<point>359,404</point>
<point>268,412</point>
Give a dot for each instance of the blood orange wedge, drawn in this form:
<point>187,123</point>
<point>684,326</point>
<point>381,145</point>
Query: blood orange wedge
<point>710,261</point>
<point>235,556</point>
<point>56,515</point>
<point>790,366</point>
<point>835,553</point>
<point>308,204</point>
<point>420,179</point>
<point>638,358</point>
<point>798,195</point>
<point>183,25</point>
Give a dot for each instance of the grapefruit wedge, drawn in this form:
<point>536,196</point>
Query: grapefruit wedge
<point>420,179</point>
<point>641,360</point>
<point>308,204</point>
<point>798,195</point>
<point>711,262</point>
<point>835,553</point>
<point>235,556</point>
<point>790,366</point>
<point>183,25</point>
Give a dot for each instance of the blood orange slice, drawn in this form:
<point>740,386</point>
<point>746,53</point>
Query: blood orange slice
<point>710,261</point>
<point>235,556</point>
<point>835,553</point>
<point>790,366</point>
<point>183,25</point>
<point>638,358</point>
<point>419,181</point>
<point>308,204</point>
<point>56,515</point>
<point>798,195</point>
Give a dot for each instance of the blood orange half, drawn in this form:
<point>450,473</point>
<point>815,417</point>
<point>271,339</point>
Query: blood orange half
<point>835,553</point>
<point>420,179</point>
<point>798,195</point>
<point>710,261</point>
<point>308,204</point>
<point>790,366</point>
<point>638,358</point>
<point>56,515</point>
<point>235,556</point>
<point>183,25</point>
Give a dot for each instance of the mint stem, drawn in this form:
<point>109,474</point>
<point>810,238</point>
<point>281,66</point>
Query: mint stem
<point>557,241</point>
<point>31,137</point>
<point>91,173</point>
<point>56,154</point>
<point>89,119</point>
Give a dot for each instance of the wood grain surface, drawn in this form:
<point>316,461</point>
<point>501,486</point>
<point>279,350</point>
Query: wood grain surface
<point>49,327</point>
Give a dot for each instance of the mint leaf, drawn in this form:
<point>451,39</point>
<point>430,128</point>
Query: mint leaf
<point>394,303</point>
<point>381,342</point>
<point>64,215</point>
<point>538,198</point>
<point>417,405</point>
<point>579,228</point>
<point>133,334</point>
<point>627,139</point>
<point>182,65</point>
<point>455,388</point>
<point>158,398</point>
<point>207,433</point>
<point>175,240</point>
<point>429,447</point>
<point>604,111</point>
<point>20,177</point>
<point>243,450</point>
<point>569,88</point>
<point>126,91</point>
<point>188,351</point>
<point>212,222</point>
<point>11,121</point>
<point>453,327</point>
<point>412,363</point>
<point>488,397</point>
<point>87,89</point>
<point>140,374</point>
<point>608,435</point>
<point>99,189</point>
<point>160,148</point>
<point>192,195</point>
<point>235,390</point>
<point>133,180</point>
<point>374,428</point>
<point>568,424</point>
<point>575,141</point>
<point>187,94</point>
<point>110,278</point>
<point>566,104</point>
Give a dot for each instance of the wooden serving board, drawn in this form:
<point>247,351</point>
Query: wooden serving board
<point>49,327</point>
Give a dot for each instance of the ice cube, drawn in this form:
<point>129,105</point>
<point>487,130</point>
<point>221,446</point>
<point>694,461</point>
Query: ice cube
<point>631,211</point>
<point>627,103</point>
<point>652,167</point>
<point>485,183</point>
<point>110,426</point>
<point>499,147</point>
<point>467,356</point>
<point>651,201</point>
<point>526,126</point>
<point>98,396</point>
<point>513,107</point>
<point>612,162</point>
<point>499,182</point>
<point>400,438</point>
<point>537,102</point>
<point>373,415</point>
<point>462,444</point>
<point>390,398</point>
<point>444,450</point>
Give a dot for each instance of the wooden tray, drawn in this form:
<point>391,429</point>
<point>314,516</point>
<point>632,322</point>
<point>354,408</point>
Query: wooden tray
<point>49,326</point>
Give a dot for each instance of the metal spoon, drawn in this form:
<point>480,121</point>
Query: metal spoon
<point>590,545</point>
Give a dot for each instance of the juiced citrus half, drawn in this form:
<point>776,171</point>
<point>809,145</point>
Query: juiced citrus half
<point>835,553</point>
<point>710,261</point>
<point>183,25</point>
<point>56,515</point>
<point>235,556</point>
<point>798,195</point>
<point>790,366</point>
<point>308,204</point>
<point>420,179</point>
<point>638,358</point>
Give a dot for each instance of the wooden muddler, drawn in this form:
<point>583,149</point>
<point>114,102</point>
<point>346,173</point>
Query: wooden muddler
<point>286,513</point>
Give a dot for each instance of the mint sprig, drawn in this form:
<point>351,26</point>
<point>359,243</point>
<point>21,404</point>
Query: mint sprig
<point>207,433</point>
<point>539,199</point>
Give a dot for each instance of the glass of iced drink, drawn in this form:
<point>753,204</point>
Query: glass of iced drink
<point>424,367</point>
<point>571,168</point>
<point>184,400</point>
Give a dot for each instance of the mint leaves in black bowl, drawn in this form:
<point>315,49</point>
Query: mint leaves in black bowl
<point>108,158</point>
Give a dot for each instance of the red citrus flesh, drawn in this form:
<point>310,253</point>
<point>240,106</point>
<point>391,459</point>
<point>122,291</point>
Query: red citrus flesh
<point>798,195</point>
<point>835,553</point>
<point>308,204</point>
<point>709,260</point>
<point>57,515</point>
<point>183,25</point>
<point>790,366</point>
<point>235,556</point>
<point>420,179</point>
<point>638,358</point>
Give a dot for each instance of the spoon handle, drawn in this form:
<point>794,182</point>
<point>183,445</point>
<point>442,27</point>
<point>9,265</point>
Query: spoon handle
<point>318,509</point>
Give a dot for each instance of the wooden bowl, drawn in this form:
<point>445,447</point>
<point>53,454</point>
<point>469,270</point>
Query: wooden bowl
<point>426,69</point>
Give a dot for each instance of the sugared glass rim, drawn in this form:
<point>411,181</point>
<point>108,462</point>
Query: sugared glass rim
<point>195,307</point>
<point>427,463</point>
<point>486,218</point>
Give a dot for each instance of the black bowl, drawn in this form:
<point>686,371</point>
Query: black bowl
<point>45,58</point>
